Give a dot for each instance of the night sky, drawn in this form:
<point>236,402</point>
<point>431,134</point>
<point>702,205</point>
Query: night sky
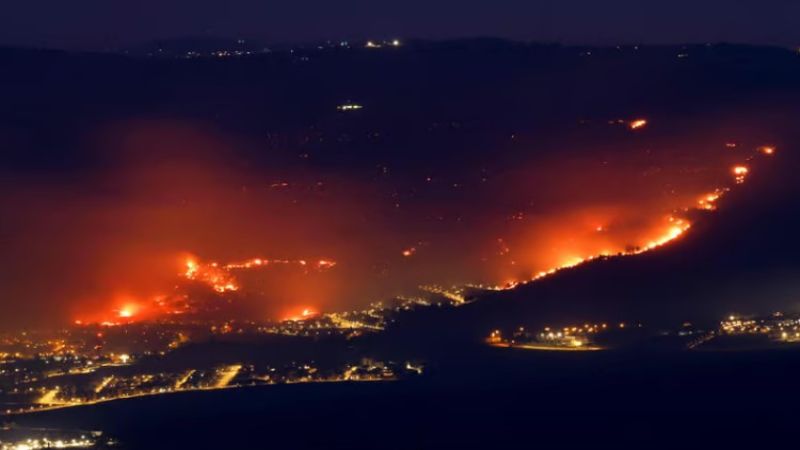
<point>97,25</point>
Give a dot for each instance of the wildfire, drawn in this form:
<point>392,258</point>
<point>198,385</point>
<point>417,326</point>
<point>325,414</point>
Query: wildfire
<point>708,201</point>
<point>191,269</point>
<point>304,314</point>
<point>221,278</point>
<point>129,309</point>
<point>602,229</point>
<point>322,264</point>
<point>211,274</point>
<point>676,227</point>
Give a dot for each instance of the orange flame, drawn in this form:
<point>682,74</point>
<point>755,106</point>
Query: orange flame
<point>637,124</point>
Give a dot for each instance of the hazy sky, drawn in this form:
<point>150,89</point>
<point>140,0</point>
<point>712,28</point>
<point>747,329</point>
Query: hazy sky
<point>97,24</point>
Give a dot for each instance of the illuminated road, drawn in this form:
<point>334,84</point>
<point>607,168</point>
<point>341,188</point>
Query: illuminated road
<point>53,404</point>
<point>701,340</point>
<point>103,384</point>
<point>456,297</point>
<point>227,376</point>
<point>179,384</point>
<point>550,348</point>
<point>49,398</point>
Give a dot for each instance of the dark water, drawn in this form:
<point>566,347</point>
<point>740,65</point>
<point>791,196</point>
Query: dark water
<point>498,399</point>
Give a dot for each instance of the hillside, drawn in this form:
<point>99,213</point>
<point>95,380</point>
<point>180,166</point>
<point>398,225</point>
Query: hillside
<point>744,254</point>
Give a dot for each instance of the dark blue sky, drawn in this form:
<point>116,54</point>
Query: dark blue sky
<point>95,24</point>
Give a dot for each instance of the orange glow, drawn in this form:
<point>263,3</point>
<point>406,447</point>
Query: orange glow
<point>211,274</point>
<point>708,201</point>
<point>129,310</point>
<point>302,314</point>
<point>637,124</point>
<point>191,269</point>
<point>673,228</point>
<point>220,277</point>
<point>322,264</point>
<point>325,264</point>
<point>565,213</point>
<point>766,150</point>
<point>740,173</point>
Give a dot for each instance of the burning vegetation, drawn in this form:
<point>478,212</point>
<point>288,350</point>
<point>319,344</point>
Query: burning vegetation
<point>526,221</point>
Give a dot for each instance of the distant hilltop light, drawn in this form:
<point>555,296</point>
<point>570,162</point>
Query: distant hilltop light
<point>381,44</point>
<point>740,172</point>
<point>349,107</point>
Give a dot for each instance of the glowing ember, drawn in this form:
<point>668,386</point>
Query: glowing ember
<point>637,124</point>
<point>325,264</point>
<point>708,201</point>
<point>740,172</point>
<point>409,252</point>
<point>766,150</point>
